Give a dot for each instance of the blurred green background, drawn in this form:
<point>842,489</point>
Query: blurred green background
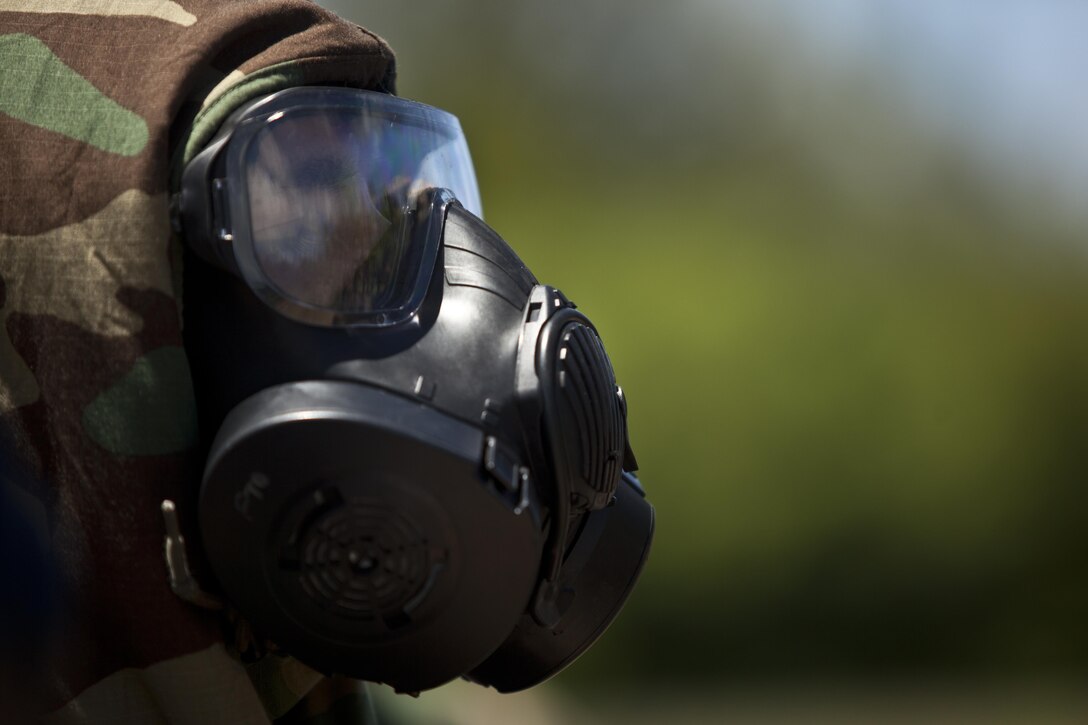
<point>837,253</point>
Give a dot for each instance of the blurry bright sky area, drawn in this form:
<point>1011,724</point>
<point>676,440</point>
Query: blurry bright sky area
<point>1007,76</point>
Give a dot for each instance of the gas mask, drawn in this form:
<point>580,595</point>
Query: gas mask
<point>421,468</point>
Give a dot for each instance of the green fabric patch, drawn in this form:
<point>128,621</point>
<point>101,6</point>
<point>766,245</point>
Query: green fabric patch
<point>150,411</point>
<point>38,88</point>
<point>262,82</point>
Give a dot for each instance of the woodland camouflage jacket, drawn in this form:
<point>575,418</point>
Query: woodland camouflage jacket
<point>101,102</point>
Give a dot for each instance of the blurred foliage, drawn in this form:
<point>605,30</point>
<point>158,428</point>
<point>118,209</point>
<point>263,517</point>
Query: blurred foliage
<point>856,358</point>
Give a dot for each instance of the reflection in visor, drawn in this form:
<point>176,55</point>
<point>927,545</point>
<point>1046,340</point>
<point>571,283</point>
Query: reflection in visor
<point>333,194</point>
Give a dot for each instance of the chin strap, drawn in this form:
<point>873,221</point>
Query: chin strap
<point>182,582</point>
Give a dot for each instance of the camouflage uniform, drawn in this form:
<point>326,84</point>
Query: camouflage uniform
<point>101,103</point>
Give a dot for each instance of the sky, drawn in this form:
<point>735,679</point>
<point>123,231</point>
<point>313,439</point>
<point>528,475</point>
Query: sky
<point>1007,76</point>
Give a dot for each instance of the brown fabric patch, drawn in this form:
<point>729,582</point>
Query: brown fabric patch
<point>61,180</point>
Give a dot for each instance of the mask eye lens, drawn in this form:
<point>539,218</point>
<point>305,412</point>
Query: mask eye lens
<point>327,189</point>
<point>323,173</point>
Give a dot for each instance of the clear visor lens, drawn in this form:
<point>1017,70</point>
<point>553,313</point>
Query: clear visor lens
<point>333,196</point>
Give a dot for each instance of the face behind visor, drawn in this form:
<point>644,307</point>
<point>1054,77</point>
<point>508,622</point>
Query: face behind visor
<point>421,467</point>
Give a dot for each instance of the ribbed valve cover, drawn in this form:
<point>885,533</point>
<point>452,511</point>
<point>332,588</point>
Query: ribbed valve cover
<point>590,417</point>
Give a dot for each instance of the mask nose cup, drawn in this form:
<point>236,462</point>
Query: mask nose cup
<point>597,577</point>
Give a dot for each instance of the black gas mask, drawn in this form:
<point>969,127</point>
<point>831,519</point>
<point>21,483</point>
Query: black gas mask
<point>421,468</point>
